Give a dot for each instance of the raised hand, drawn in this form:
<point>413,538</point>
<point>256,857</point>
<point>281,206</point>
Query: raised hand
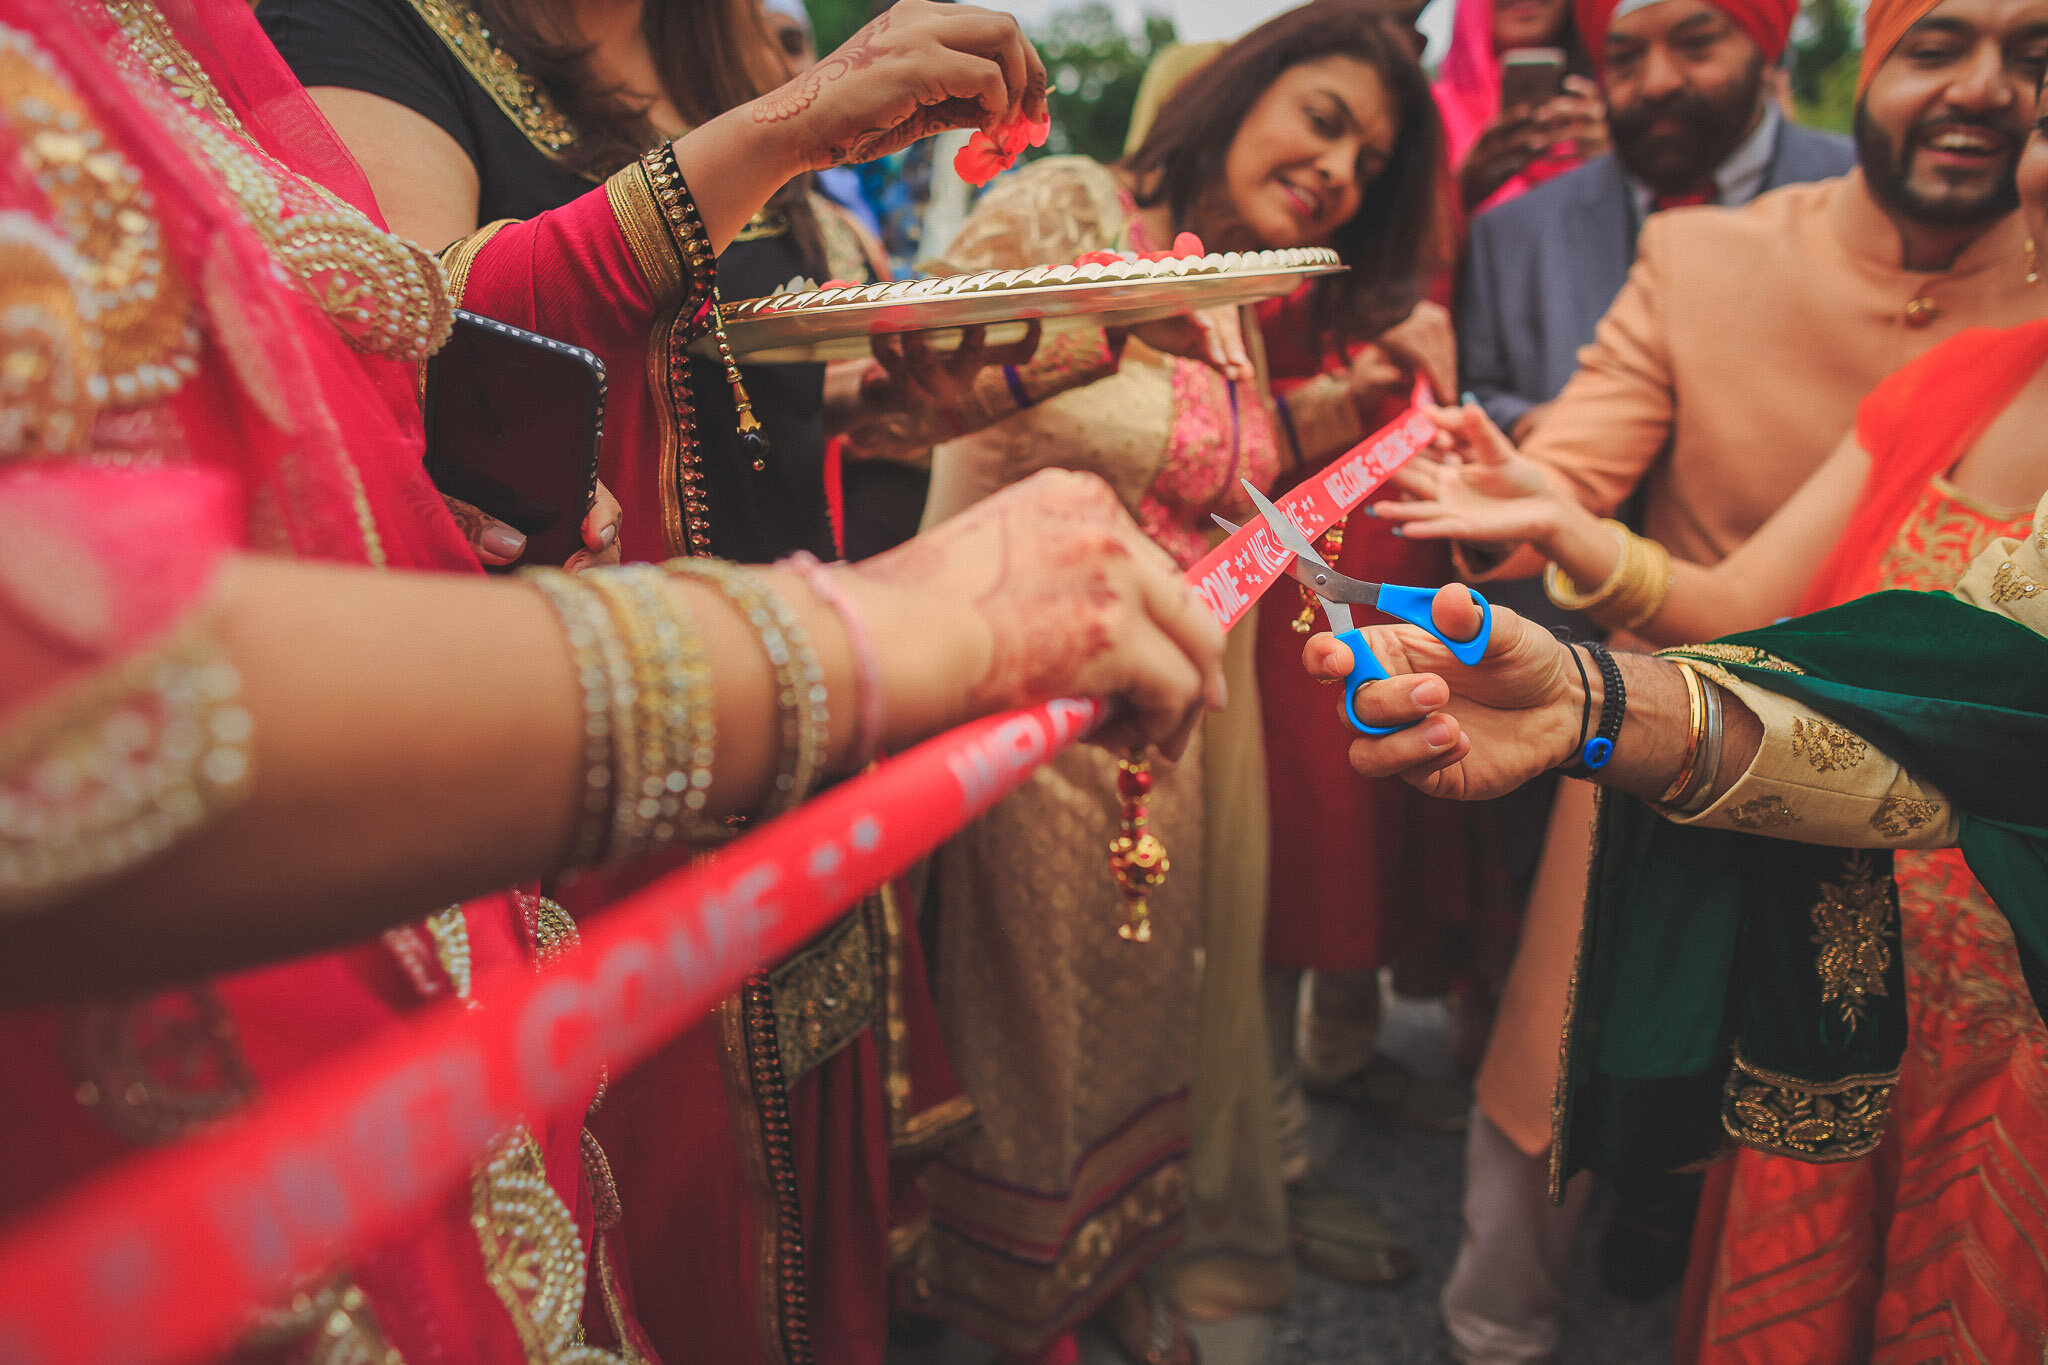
<point>1484,730</point>
<point>918,68</point>
<point>1477,487</point>
<point>1577,118</point>
<point>1423,343</point>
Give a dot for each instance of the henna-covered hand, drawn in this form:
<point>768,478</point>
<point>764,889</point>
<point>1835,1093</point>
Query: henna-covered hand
<point>498,544</point>
<point>1045,589</point>
<point>918,68</point>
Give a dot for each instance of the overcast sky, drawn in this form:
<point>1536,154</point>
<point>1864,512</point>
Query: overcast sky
<point>1195,19</point>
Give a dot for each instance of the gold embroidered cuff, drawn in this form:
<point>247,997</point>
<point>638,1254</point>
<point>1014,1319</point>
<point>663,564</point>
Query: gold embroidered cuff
<point>661,204</point>
<point>118,769</point>
<point>1816,782</point>
<point>631,196</point>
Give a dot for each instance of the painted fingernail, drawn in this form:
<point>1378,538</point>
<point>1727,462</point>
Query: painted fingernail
<point>1436,732</point>
<point>609,534</point>
<point>1396,530</point>
<point>1372,509</point>
<point>500,539</point>
<point>1430,692</point>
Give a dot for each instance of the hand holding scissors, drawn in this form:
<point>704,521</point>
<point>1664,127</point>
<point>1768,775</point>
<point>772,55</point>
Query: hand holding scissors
<point>1339,593</point>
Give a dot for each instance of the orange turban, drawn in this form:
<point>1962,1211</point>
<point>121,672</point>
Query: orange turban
<point>1884,23</point>
<point>1767,22</point>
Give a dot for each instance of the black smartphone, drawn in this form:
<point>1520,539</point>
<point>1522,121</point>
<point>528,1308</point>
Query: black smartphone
<point>514,421</point>
<point>1531,77</point>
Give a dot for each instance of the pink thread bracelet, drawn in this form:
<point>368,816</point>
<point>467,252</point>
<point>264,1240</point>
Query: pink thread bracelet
<point>867,736</point>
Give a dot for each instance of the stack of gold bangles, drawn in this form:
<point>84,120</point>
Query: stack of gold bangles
<point>1689,791</point>
<point>650,728</point>
<point>1632,593</point>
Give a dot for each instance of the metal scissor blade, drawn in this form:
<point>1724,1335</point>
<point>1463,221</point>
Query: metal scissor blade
<point>1320,579</point>
<point>1290,537</point>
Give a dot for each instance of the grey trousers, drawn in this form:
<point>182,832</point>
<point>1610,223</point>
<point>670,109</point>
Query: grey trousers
<point>1502,1301</point>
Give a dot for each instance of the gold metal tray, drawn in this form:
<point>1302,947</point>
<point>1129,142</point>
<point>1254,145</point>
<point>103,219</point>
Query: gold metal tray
<point>835,324</point>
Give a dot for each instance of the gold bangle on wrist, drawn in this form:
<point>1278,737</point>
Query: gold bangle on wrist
<point>585,623</point>
<point>1708,770</point>
<point>1633,592</point>
<point>801,702</point>
<point>674,716</point>
<point>1696,708</point>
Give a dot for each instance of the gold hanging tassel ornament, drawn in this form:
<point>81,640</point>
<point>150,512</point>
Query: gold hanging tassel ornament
<point>1136,858</point>
<point>1332,546</point>
<point>751,440</point>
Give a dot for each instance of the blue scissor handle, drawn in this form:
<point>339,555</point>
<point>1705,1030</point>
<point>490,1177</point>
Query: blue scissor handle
<point>1410,605</point>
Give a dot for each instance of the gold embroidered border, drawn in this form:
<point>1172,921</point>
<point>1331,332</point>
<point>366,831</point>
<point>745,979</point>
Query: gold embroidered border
<point>533,1252</point>
<point>1016,1305</point>
<point>640,221</point>
<point>332,1323</point>
<point>824,996</point>
<point>458,256</point>
<point>911,1132</point>
<point>1810,1121</point>
<point>517,94</point>
<point>1560,1089</point>
<point>147,752</point>
<point>1748,656</point>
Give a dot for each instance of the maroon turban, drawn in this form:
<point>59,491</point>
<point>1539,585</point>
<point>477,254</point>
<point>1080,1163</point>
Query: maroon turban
<point>1767,22</point>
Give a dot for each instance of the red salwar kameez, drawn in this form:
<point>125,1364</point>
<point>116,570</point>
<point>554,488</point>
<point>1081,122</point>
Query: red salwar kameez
<point>210,347</point>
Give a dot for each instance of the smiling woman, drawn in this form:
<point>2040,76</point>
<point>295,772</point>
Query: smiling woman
<point>1076,1046</point>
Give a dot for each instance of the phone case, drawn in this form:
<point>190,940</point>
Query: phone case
<point>514,424</point>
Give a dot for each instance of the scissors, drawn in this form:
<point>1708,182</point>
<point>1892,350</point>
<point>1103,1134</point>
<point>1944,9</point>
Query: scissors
<point>1339,592</point>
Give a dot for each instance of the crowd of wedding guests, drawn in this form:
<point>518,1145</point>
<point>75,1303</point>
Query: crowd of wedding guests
<point>272,745</point>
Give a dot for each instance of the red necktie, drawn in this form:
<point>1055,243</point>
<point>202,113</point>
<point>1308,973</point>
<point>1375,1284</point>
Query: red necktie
<point>1684,199</point>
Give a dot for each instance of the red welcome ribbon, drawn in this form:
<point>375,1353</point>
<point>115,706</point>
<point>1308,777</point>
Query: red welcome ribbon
<point>162,1257</point>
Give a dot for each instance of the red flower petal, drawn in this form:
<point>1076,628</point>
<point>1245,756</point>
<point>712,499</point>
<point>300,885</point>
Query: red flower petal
<point>980,161</point>
<point>1097,258</point>
<point>1187,244</point>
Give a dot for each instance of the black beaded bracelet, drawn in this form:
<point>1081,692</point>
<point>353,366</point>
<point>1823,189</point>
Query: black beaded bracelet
<point>1598,750</point>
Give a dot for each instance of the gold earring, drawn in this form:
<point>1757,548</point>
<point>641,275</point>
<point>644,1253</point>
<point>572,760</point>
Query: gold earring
<point>2033,260</point>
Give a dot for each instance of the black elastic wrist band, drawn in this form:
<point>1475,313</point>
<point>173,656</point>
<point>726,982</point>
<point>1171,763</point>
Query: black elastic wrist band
<point>1598,750</point>
<point>1585,700</point>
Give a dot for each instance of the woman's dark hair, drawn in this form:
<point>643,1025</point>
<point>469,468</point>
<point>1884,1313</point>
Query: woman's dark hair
<point>711,56</point>
<point>1392,243</point>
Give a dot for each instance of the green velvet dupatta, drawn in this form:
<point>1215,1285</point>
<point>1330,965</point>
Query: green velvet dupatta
<point>1732,986</point>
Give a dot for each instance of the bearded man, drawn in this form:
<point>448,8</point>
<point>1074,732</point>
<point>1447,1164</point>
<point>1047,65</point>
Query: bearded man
<point>1689,110</point>
<point>1723,373</point>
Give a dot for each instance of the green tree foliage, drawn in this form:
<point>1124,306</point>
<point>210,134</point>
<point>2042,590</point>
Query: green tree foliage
<point>1093,64</point>
<point>1094,67</point>
<point>1824,65</point>
<point>837,20</point>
